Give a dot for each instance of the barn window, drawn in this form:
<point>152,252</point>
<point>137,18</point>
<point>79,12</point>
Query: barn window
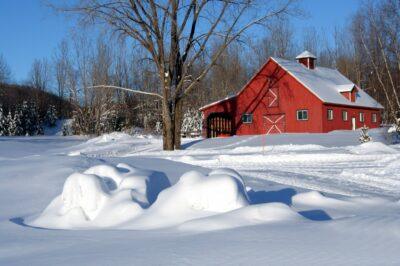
<point>247,118</point>
<point>362,117</point>
<point>374,118</point>
<point>330,114</point>
<point>344,115</point>
<point>302,114</point>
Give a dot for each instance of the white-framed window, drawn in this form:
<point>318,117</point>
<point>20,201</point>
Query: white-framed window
<point>330,114</point>
<point>247,118</point>
<point>362,118</point>
<point>302,114</point>
<point>344,115</point>
<point>374,118</point>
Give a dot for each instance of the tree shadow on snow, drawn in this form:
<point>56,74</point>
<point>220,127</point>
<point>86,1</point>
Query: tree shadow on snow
<point>187,145</point>
<point>285,196</point>
<point>315,215</point>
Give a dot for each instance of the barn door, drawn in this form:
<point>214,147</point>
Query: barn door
<point>219,124</point>
<point>275,123</point>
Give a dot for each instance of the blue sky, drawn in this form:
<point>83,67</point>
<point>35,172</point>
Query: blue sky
<point>29,29</point>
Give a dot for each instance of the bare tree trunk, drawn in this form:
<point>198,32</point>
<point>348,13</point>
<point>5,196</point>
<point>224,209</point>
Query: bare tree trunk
<point>178,123</point>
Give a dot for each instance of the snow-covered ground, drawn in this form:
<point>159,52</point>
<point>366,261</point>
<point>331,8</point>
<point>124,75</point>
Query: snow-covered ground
<point>302,199</point>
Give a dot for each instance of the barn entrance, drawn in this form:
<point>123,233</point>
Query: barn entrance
<point>219,125</point>
<point>275,123</point>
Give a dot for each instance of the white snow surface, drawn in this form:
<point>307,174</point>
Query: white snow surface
<point>290,199</point>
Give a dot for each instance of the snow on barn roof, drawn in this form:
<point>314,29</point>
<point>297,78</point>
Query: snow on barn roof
<point>326,84</point>
<point>306,54</point>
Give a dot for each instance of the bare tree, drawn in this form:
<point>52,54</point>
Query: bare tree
<point>376,32</point>
<point>40,74</point>
<point>171,34</point>
<point>311,40</point>
<point>5,72</point>
<point>62,67</point>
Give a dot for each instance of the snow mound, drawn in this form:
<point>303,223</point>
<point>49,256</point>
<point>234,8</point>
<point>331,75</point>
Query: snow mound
<point>126,197</point>
<point>194,196</point>
<point>116,144</point>
<point>372,147</point>
<point>315,198</point>
<point>102,196</point>
<point>251,215</point>
<point>111,137</point>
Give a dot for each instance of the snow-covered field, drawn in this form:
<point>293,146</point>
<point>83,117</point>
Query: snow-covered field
<point>302,199</point>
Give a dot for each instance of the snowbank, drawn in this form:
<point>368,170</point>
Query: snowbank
<point>102,196</point>
<point>116,144</point>
<point>195,196</point>
<point>128,197</point>
<point>372,147</point>
<point>251,215</point>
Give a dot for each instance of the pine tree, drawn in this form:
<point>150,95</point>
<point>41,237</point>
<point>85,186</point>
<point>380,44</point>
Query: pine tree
<point>3,125</point>
<point>19,127</point>
<point>35,123</point>
<point>51,116</point>
<point>24,114</point>
<point>192,121</point>
<point>11,129</point>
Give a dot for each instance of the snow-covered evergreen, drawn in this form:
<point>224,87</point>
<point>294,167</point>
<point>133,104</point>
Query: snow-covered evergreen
<point>192,121</point>
<point>51,116</point>
<point>11,125</point>
<point>3,125</point>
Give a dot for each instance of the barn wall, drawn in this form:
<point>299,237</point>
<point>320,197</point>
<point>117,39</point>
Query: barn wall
<point>337,123</point>
<point>292,97</point>
<point>228,107</point>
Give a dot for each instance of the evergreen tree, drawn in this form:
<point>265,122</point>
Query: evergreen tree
<point>51,116</point>
<point>18,122</point>
<point>3,125</point>
<point>192,121</point>
<point>11,129</point>
<point>24,114</point>
<point>35,123</point>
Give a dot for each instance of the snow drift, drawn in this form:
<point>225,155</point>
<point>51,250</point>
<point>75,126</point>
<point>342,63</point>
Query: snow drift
<point>102,196</point>
<point>126,197</point>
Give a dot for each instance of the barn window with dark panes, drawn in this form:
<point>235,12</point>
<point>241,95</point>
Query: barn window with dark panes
<point>302,114</point>
<point>374,118</point>
<point>330,114</point>
<point>344,115</point>
<point>362,117</point>
<point>247,118</point>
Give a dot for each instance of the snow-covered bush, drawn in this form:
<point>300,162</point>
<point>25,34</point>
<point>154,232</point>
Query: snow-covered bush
<point>394,131</point>
<point>51,116</point>
<point>11,125</point>
<point>67,127</point>
<point>192,121</point>
<point>364,137</point>
<point>3,125</point>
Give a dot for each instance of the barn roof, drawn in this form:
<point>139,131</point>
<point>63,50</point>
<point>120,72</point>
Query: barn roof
<point>327,84</point>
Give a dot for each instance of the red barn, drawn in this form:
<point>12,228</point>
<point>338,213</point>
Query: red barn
<point>292,97</point>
